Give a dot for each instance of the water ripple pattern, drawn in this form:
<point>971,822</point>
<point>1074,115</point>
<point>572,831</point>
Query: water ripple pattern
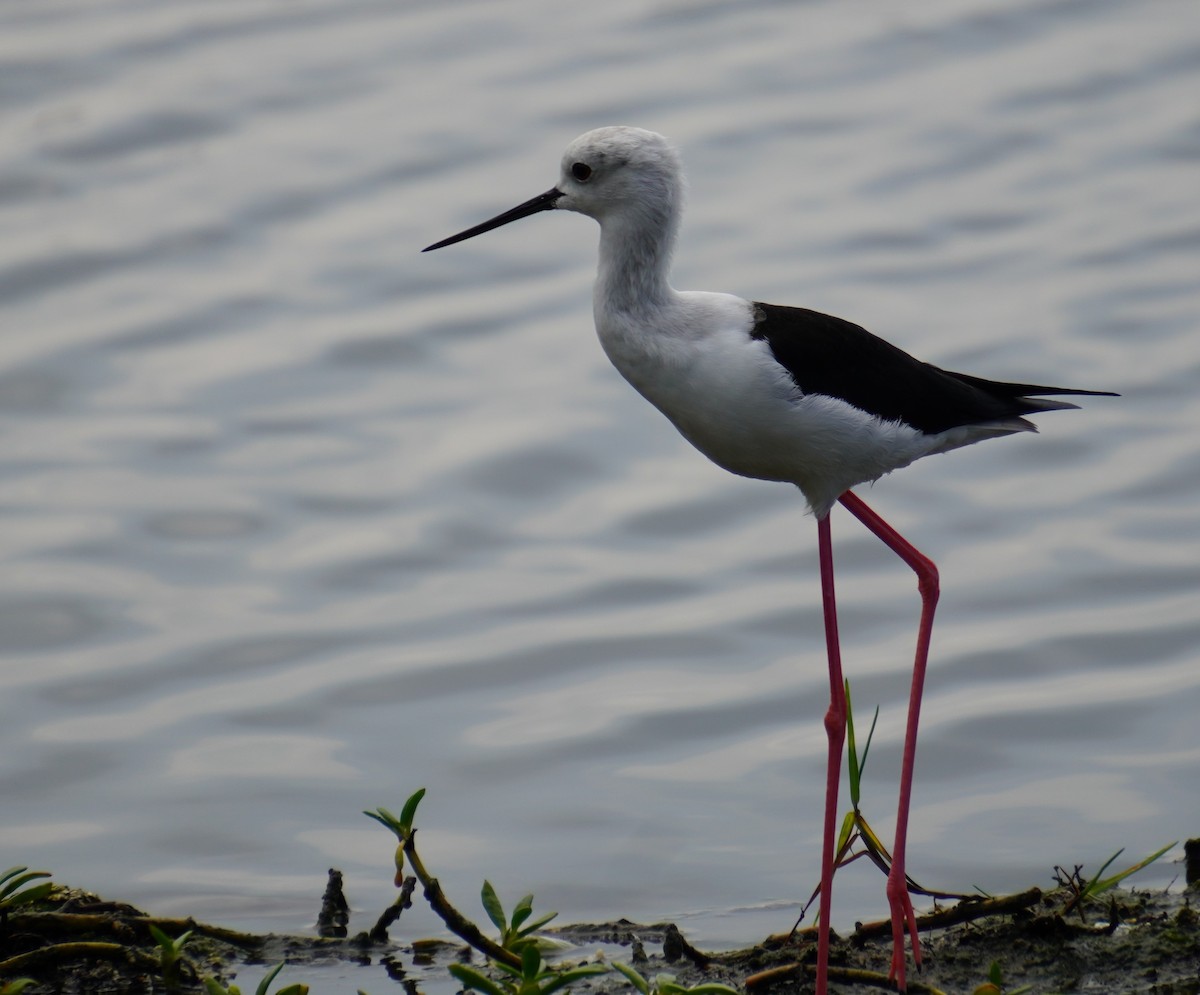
<point>296,520</point>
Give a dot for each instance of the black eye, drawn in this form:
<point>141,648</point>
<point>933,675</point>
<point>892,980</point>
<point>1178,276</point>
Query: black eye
<point>581,171</point>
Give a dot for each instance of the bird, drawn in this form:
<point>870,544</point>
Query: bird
<point>782,394</point>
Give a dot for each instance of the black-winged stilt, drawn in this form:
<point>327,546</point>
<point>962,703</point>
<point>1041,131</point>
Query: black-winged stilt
<point>776,393</point>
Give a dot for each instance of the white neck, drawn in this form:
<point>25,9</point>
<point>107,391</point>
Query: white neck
<point>635,260</point>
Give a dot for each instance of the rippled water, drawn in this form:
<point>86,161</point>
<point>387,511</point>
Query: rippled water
<point>296,519</point>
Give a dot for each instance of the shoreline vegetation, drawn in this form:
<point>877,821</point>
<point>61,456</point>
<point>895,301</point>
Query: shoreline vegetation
<point>1085,934</point>
<point>1128,942</point>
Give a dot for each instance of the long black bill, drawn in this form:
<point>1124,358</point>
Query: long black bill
<point>542,202</point>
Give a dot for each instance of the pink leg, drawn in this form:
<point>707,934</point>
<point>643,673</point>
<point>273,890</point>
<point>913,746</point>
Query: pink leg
<point>927,584</point>
<point>835,728</point>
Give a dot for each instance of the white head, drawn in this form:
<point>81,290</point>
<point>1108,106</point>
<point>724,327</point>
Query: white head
<point>621,169</point>
<point>626,176</point>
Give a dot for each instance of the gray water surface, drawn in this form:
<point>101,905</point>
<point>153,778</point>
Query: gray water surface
<point>297,520</point>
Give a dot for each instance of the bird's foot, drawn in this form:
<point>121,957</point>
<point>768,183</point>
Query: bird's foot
<point>900,904</point>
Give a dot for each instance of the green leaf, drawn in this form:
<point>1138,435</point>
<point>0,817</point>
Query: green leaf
<point>474,980</point>
<point>16,986</point>
<point>492,906</point>
<point>537,923</point>
<point>385,819</point>
<point>994,974</point>
<point>634,976</point>
<point>214,987</point>
<point>571,976</point>
<point>499,965</point>
<point>296,989</point>
<point>408,813</point>
<point>267,979</point>
<point>522,911</point>
<point>531,961</point>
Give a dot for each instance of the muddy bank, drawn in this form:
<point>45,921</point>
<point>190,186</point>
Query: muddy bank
<point>1130,943</point>
<point>1127,943</point>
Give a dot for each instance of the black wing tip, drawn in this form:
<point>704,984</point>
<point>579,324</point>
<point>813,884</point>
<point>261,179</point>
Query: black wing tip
<point>1072,392</point>
<point>1038,401</point>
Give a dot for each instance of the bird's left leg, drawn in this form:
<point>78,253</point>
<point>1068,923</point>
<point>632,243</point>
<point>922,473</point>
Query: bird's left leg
<point>927,582</point>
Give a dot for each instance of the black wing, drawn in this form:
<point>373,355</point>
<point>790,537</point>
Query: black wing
<point>831,356</point>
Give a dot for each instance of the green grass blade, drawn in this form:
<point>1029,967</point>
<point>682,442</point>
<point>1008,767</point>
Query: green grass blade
<point>862,766</point>
<point>871,841</point>
<point>1088,889</point>
<point>17,878</point>
<point>29,895</point>
<point>851,749</point>
<point>712,988</point>
<point>856,764</point>
<point>847,827</point>
<point>1096,887</point>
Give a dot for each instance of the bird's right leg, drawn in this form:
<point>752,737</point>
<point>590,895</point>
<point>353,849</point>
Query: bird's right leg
<point>835,729</point>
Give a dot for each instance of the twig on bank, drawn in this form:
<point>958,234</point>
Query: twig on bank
<point>56,953</point>
<point>457,923</point>
<point>965,911</point>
